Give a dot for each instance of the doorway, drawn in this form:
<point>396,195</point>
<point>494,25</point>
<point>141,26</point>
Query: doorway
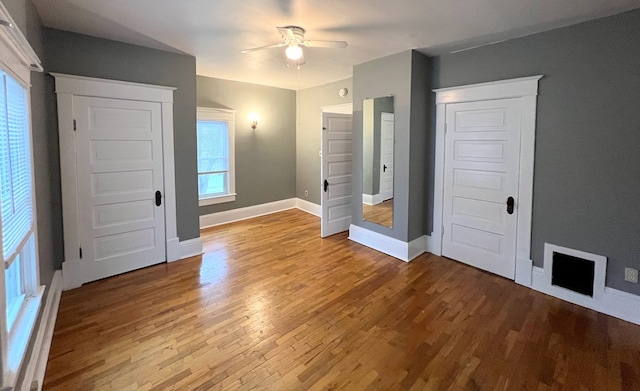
<point>485,136</point>
<point>336,169</point>
<point>117,174</point>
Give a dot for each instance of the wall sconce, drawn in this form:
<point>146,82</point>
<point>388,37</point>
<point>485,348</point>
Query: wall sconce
<point>253,119</point>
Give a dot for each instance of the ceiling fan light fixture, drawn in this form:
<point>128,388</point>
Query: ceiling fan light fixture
<point>293,52</point>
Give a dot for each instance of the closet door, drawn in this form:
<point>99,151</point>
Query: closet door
<point>120,185</point>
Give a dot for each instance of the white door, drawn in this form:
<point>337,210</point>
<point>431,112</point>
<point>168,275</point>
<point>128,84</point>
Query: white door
<point>119,160</point>
<point>386,156</point>
<point>336,173</point>
<point>482,154</point>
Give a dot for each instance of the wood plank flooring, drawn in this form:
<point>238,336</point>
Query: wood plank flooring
<point>270,305</point>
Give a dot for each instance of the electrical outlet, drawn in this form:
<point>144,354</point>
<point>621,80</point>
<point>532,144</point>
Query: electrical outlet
<point>306,193</point>
<point>631,275</point>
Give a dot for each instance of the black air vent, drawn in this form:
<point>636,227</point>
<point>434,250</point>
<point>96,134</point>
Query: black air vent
<point>573,273</point>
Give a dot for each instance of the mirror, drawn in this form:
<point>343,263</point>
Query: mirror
<point>378,123</point>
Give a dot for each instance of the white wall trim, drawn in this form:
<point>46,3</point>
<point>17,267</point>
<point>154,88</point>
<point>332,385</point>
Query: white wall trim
<point>37,364</point>
<point>600,271</point>
<point>308,207</point>
<point>116,89</point>
<point>525,88</point>
<point>68,86</point>
<point>230,216</point>
<point>190,248</point>
<point>500,89</point>
<point>396,248</point>
<point>613,302</point>
<point>345,108</point>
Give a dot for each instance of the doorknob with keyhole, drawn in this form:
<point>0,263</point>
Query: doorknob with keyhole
<point>510,204</point>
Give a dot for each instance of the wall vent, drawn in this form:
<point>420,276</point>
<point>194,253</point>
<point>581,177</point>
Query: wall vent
<point>575,272</point>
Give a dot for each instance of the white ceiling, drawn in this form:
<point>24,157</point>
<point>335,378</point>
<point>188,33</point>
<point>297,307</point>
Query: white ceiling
<point>214,31</point>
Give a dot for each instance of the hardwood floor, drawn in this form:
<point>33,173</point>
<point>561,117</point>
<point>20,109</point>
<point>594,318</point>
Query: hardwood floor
<point>270,305</point>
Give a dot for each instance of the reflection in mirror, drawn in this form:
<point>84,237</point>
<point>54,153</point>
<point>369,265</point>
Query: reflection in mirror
<point>377,163</point>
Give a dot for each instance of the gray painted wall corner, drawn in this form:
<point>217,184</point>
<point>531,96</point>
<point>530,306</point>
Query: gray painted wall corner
<point>587,166</point>
<point>308,134</point>
<point>383,77</point>
<point>83,55</point>
<point>265,158</point>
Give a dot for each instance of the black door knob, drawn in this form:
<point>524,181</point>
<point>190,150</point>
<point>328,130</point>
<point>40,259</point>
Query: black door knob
<point>510,203</point>
<point>384,168</point>
<point>158,198</point>
<point>326,185</point>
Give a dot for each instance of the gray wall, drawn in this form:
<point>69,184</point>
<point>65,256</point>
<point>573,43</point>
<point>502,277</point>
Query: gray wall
<point>47,189</point>
<point>83,55</point>
<point>395,75</point>
<point>308,132</point>
<point>587,159</point>
<point>265,158</point>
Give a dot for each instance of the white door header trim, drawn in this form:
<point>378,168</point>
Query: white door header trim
<point>116,89</point>
<point>503,89</point>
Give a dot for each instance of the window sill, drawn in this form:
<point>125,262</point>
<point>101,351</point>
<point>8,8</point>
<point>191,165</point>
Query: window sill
<point>20,336</point>
<point>217,200</point>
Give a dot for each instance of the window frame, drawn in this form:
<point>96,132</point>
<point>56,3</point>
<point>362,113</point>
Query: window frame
<point>18,60</point>
<point>228,116</point>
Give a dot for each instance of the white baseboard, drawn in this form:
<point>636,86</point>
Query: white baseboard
<point>37,364</point>
<point>612,302</point>
<point>309,207</point>
<point>173,249</point>
<point>367,199</point>
<point>523,271</point>
<point>230,216</point>
<point>396,248</point>
<point>190,248</point>
<point>432,244</point>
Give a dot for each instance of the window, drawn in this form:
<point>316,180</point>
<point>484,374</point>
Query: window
<point>20,295</point>
<point>216,180</point>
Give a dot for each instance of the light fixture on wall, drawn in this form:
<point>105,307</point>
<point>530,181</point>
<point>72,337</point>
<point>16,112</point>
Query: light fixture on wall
<point>253,119</point>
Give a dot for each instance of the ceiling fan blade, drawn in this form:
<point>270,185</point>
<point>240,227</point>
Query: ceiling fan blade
<point>326,44</point>
<point>287,33</point>
<point>275,45</point>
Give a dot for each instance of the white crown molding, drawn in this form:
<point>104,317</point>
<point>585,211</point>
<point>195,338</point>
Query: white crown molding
<point>501,89</point>
<point>16,54</point>
<point>116,89</point>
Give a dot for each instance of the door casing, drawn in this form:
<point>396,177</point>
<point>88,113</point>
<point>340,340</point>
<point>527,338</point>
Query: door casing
<point>525,88</point>
<point>68,86</point>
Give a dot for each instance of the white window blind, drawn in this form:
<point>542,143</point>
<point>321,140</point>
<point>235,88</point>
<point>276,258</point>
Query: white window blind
<point>15,168</point>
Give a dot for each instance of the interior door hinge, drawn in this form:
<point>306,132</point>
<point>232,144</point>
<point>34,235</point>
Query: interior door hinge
<point>445,127</point>
<point>74,125</point>
<point>442,231</point>
<point>80,252</point>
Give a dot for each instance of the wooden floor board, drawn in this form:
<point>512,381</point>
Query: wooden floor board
<point>270,305</point>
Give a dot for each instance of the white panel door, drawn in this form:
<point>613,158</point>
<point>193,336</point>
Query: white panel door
<point>386,156</point>
<point>482,147</point>
<point>336,173</point>
<point>120,169</point>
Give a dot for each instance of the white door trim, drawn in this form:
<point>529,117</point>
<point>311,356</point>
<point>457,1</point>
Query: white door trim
<point>66,87</point>
<point>527,89</point>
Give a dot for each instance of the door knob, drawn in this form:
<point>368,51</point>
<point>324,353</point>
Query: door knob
<point>510,203</point>
<point>384,168</point>
<point>326,185</point>
<point>158,198</point>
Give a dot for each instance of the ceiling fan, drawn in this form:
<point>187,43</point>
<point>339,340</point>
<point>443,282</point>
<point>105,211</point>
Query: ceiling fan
<point>293,39</point>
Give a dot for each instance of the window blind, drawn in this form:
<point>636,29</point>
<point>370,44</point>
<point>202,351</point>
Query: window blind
<point>15,168</point>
